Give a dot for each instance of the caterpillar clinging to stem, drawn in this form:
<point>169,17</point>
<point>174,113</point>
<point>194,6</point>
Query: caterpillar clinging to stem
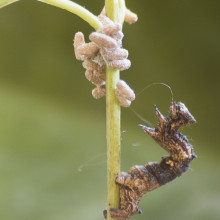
<point>142,179</point>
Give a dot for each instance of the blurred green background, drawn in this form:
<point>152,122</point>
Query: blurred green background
<point>52,132</point>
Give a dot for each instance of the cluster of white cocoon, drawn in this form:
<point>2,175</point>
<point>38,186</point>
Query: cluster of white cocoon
<point>104,49</point>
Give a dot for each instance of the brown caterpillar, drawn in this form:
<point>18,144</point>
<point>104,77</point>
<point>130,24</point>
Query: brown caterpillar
<point>142,179</point>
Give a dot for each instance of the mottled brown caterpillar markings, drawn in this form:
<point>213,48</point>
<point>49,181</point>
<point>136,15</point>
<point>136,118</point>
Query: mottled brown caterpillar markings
<point>142,179</point>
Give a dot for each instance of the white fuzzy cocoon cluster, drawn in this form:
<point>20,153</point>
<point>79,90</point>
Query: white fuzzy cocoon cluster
<point>104,49</point>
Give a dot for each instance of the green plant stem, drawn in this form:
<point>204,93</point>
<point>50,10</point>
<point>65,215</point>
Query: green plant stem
<point>3,3</point>
<point>113,115</point>
<point>69,6</point>
<point>76,9</point>
<point>115,10</point>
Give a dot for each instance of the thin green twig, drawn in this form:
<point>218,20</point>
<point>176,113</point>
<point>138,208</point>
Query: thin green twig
<point>3,3</point>
<point>115,10</point>
<point>76,9</point>
<point>70,6</point>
